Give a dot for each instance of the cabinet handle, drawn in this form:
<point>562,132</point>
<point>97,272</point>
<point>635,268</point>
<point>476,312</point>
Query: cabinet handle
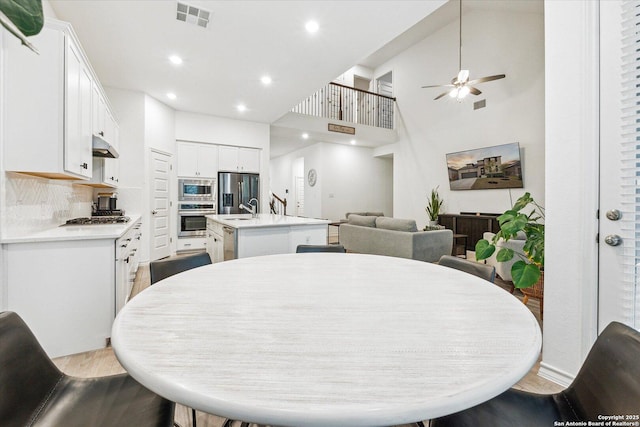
<point>84,166</point>
<point>101,133</point>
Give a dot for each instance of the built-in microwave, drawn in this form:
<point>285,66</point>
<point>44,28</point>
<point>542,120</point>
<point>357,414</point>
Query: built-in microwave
<point>196,190</point>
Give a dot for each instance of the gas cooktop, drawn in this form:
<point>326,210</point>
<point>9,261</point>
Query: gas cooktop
<point>96,220</point>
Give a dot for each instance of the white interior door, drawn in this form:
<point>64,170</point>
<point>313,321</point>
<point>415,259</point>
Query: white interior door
<point>299,196</point>
<point>618,293</point>
<point>160,205</point>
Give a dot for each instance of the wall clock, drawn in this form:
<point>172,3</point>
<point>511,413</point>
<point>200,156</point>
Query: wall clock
<point>312,176</point>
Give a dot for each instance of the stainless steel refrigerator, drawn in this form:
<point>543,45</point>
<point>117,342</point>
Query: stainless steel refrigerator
<point>235,189</point>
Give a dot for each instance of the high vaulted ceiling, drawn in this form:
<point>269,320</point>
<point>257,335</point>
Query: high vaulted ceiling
<point>129,42</point>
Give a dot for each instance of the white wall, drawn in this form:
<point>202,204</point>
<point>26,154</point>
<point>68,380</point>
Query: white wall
<point>572,134</point>
<point>145,123</point>
<point>350,179</point>
<point>160,125</point>
<point>494,43</point>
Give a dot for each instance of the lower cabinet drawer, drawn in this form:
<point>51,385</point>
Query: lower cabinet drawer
<point>191,244</point>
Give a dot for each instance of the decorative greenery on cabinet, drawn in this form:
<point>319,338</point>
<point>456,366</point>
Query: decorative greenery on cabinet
<point>435,206</point>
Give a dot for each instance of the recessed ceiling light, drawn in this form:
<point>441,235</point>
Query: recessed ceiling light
<point>266,80</point>
<point>312,27</point>
<point>241,108</point>
<point>353,142</point>
<point>171,95</point>
<point>305,136</point>
<point>175,59</point>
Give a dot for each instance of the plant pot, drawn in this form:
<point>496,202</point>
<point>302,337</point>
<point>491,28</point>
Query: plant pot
<point>536,291</point>
<point>432,223</point>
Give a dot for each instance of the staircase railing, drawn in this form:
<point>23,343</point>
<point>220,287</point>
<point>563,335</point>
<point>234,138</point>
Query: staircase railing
<point>339,102</point>
<point>278,206</point>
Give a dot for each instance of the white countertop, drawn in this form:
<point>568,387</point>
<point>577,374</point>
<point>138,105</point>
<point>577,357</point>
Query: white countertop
<point>264,220</point>
<point>73,232</point>
<point>325,339</point>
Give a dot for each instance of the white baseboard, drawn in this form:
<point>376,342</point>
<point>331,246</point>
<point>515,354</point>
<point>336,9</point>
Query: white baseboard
<point>555,375</point>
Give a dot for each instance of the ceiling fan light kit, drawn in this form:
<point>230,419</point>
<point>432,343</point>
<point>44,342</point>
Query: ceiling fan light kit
<point>460,85</point>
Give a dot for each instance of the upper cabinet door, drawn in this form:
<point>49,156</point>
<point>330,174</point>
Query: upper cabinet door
<point>248,160</point>
<point>187,159</point>
<point>77,145</point>
<point>208,161</point>
<point>227,159</point>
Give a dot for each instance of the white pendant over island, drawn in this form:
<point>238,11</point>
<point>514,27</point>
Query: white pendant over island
<point>240,236</point>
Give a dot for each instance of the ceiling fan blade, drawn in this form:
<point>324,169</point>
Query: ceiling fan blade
<point>440,96</point>
<point>487,79</point>
<point>473,90</point>
<point>437,86</point>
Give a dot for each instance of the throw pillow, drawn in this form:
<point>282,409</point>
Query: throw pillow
<point>361,220</point>
<point>396,224</point>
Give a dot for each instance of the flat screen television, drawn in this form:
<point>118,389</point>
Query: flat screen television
<point>485,168</point>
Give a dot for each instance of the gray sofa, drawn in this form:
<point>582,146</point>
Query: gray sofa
<point>380,235</point>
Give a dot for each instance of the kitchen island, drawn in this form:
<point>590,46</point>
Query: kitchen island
<point>240,236</point>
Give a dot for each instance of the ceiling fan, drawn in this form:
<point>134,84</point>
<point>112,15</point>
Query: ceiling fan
<point>460,85</point>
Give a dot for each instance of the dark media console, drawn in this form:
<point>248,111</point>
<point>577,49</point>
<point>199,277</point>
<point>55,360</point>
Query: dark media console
<point>472,225</point>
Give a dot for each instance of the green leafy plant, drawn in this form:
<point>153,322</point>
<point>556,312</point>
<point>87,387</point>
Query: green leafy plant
<point>526,271</point>
<point>22,18</point>
<point>435,205</point>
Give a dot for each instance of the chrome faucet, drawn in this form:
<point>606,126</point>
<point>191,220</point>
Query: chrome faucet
<point>253,209</point>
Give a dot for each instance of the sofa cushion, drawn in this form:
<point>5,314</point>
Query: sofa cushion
<point>396,224</point>
<point>363,221</point>
<point>364,214</point>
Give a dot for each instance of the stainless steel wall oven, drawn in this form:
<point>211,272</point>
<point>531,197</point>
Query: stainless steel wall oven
<point>191,218</point>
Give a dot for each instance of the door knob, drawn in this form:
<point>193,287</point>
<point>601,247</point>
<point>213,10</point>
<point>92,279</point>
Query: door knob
<point>614,214</point>
<point>613,240</point>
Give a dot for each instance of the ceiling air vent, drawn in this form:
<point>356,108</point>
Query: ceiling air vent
<point>193,15</point>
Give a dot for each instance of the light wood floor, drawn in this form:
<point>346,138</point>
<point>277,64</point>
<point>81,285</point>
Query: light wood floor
<point>103,362</point>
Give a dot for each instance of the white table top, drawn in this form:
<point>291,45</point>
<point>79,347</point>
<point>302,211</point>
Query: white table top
<point>325,339</point>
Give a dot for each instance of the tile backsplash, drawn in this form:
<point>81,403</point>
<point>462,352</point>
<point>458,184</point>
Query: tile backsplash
<point>33,204</point>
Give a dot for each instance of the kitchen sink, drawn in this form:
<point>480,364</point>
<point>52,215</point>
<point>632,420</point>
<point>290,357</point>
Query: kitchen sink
<point>238,219</point>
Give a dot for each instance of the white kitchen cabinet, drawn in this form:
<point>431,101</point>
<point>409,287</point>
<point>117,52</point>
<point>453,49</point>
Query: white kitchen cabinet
<point>214,241</point>
<point>104,123</point>
<point>127,261</point>
<point>64,291</point>
<point>69,291</point>
<point>238,159</point>
<point>47,105</point>
<point>105,173</point>
<point>197,160</point>
<point>105,170</point>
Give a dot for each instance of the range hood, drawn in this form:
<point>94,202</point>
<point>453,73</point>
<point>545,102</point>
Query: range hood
<point>102,148</point>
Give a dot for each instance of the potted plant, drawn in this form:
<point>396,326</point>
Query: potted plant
<point>527,271</point>
<point>434,207</point>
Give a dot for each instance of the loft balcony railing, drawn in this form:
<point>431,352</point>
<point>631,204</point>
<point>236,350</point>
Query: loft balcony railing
<point>339,102</point>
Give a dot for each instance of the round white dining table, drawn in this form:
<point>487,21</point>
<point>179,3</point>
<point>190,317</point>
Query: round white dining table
<point>326,339</point>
